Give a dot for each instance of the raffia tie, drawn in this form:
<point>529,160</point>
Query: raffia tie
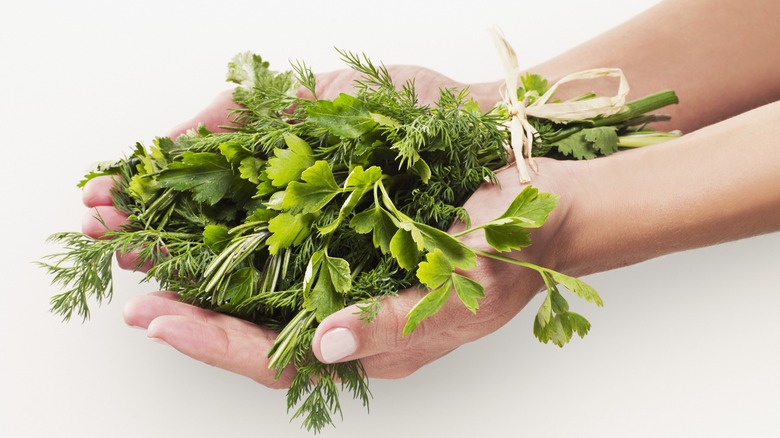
<point>521,132</point>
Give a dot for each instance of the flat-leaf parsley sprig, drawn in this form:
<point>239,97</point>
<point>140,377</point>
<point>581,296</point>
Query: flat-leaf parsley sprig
<point>310,205</point>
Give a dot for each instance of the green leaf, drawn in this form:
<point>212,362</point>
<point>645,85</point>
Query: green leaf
<point>384,120</point>
<point>427,306</point>
<point>363,180</point>
<point>261,214</point>
<point>216,237</point>
<point>579,324</point>
<point>345,116</point>
<point>544,314</point>
<point>404,249</point>
<point>333,280</point>
<point>245,69</point>
<point>378,221</point>
<point>318,188</point>
<point>533,85</point>
<point>589,143</point>
<point>242,285</point>
<point>288,164</point>
<point>207,175</point>
<point>288,230</point>
<point>507,237</point>
<point>603,139</point>
<point>531,206</point>
<point>234,152</point>
<point>143,187</point>
<point>559,303</point>
<point>468,290</point>
<point>421,168</point>
<point>579,287</point>
<point>250,169</point>
<point>435,270</point>
<point>453,249</point>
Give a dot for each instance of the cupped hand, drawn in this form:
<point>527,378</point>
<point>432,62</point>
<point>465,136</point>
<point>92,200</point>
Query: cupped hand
<point>239,346</point>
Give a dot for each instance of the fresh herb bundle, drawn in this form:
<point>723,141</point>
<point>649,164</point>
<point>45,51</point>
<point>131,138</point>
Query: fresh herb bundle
<point>312,205</point>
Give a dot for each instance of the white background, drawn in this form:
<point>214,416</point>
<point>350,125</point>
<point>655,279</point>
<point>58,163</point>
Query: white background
<point>686,346</point>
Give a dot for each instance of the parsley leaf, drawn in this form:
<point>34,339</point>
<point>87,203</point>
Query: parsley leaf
<point>327,280</point>
<point>288,164</point>
<point>318,188</point>
<point>345,116</point>
<point>206,174</point>
<point>288,230</point>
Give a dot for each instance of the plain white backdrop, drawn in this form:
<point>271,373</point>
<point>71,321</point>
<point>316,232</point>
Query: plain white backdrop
<point>686,346</point>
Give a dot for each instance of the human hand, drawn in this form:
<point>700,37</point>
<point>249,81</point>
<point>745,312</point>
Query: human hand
<point>239,346</point>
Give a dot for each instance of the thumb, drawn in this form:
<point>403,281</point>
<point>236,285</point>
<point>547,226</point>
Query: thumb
<point>346,335</point>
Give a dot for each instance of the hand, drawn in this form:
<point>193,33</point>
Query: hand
<point>380,345</point>
<point>239,346</point>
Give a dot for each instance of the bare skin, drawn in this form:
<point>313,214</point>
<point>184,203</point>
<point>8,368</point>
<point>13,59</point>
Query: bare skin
<point>719,183</point>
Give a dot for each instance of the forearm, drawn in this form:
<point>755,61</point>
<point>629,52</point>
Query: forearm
<point>718,184</point>
<point>719,56</point>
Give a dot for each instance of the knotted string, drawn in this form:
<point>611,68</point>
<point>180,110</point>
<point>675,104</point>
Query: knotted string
<point>521,132</point>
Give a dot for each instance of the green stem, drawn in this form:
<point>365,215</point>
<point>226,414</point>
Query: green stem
<point>506,259</point>
<point>639,107</point>
<point>634,109</point>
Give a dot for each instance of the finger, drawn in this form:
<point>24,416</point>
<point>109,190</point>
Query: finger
<point>97,191</point>
<point>213,338</point>
<point>215,117</point>
<point>141,311</point>
<point>237,351</point>
<point>342,336</point>
<point>100,219</point>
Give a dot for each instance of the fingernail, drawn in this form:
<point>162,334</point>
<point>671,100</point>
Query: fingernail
<point>337,344</point>
<point>160,341</point>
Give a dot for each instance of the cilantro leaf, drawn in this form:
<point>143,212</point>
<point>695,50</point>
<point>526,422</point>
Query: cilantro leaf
<point>589,143</point>
<point>207,175</point>
<point>533,86</point>
<point>345,116</point>
<point>603,139</point>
